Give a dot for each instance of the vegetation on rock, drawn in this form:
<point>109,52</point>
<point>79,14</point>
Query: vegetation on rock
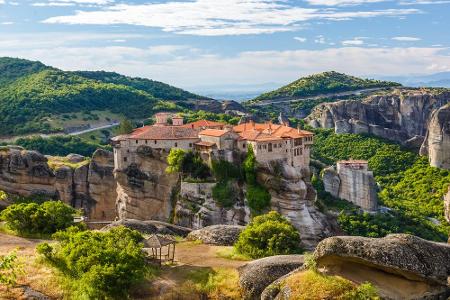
<point>33,218</point>
<point>267,235</point>
<point>409,187</point>
<point>323,83</point>
<point>60,145</point>
<point>98,265</point>
<point>188,163</point>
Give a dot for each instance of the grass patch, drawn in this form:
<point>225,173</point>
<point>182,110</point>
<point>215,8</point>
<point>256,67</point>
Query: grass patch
<point>55,162</point>
<point>231,253</point>
<point>219,283</point>
<point>313,285</point>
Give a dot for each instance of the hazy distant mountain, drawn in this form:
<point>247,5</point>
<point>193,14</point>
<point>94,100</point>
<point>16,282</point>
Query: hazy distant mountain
<point>434,80</point>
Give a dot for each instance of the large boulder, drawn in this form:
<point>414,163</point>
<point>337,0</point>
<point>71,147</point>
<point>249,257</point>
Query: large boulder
<point>401,266</point>
<point>255,276</point>
<point>221,235</point>
<point>150,227</point>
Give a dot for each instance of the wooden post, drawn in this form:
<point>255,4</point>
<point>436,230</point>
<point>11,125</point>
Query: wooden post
<point>173,253</point>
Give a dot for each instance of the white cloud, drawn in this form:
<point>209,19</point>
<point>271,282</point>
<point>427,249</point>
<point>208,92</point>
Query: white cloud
<point>406,39</point>
<point>423,2</point>
<point>225,17</point>
<point>320,39</point>
<point>247,67</point>
<point>89,3</point>
<point>2,1</point>
<point>7,23</point>
<point>341,2</point>
<point>354,42</point>
<point>300,39</point>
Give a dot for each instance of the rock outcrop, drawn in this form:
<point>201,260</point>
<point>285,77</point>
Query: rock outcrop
<point>401,266</point>
<point>293,196</point>
<point>353,182</point>
<point>221,235</point>
<point>28,174</point>
<point>150,227</point>
<point>196,207</point>
<point>402,115</point>
<point>437,140</point>
<point>255,276</point>
<point>144,189</point>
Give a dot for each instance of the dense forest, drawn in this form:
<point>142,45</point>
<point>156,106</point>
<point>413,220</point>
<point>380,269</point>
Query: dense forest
<point>32,93</point>
<point>323,83</point>
<point>409,187</point>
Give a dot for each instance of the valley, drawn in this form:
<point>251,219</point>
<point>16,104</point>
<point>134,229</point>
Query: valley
<point>241,189</point>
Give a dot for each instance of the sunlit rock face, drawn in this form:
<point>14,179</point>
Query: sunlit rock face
<point>88,186</point>
<point>437,141</point>
<point>402,115</point>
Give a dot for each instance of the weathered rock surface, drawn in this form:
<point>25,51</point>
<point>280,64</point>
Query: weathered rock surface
<point>102,186</point>
<point>399,115</point>
<point>27,173</point>
<point>437,140</point>
<point>255,276</point>
<point>221,235</point>
<point>196,207</point>
<point>144,189</point>
<point>401,266</point>
<point>293,196</point>
<point>150,227</point>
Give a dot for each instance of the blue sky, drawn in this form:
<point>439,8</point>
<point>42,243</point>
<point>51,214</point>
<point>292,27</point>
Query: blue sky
<point>201,43</point>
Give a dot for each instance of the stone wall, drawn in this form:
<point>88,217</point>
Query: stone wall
<point>356,186</point>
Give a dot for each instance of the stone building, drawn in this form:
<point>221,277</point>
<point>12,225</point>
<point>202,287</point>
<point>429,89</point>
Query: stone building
<point>352,181</point>
<point>270,142</point>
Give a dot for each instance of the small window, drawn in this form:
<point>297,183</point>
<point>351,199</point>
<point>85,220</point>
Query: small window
<point>155,142</point>
<point>125,159</point>
<point>190,145</point>
<point>176,144</point>
<point>137,141</point>
<point>244,145</point>
<point>259,147</point>
<point>146,142</point>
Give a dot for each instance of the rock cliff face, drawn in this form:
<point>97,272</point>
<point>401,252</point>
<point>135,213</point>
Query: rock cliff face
<point>447,205</point>
<point>437,140</point>
<point>196,207</point>
<point>27,173</point>
<point>293,196</point>
<point>144,190</point>
<point>402,115</point>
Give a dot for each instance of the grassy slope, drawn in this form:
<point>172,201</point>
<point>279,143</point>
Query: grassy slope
<point>323,83</point>
<point>33,97</point>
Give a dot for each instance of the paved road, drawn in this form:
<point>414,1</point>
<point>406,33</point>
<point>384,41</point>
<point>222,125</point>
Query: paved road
<point>94,129</point>
<point>350,93</point>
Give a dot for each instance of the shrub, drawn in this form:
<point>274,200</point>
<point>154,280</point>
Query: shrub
<point>224,194</point>
<point>250,166</point>
<point>33,218</point>
<point>224,170</point>
<point>258,198</point>
<point>98,265</point>
<point>10,268</point>
<point>267,235</point>
<point>188,163</point>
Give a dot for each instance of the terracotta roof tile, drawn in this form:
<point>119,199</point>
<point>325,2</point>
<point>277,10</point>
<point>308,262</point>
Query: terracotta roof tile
<point>213,132</point>
<point>163,133</point>
<point>204,124</point>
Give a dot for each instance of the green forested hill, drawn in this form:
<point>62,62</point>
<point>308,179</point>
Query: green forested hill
<point>33,96</point>
<point>157,89</point>
<point>323,83</point>
<point>14,68</point>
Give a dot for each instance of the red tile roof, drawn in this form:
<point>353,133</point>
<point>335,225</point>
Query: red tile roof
<point>267,131</point>
<point>204,124</point>
<point>163,133</point>
<point>213,132</point>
